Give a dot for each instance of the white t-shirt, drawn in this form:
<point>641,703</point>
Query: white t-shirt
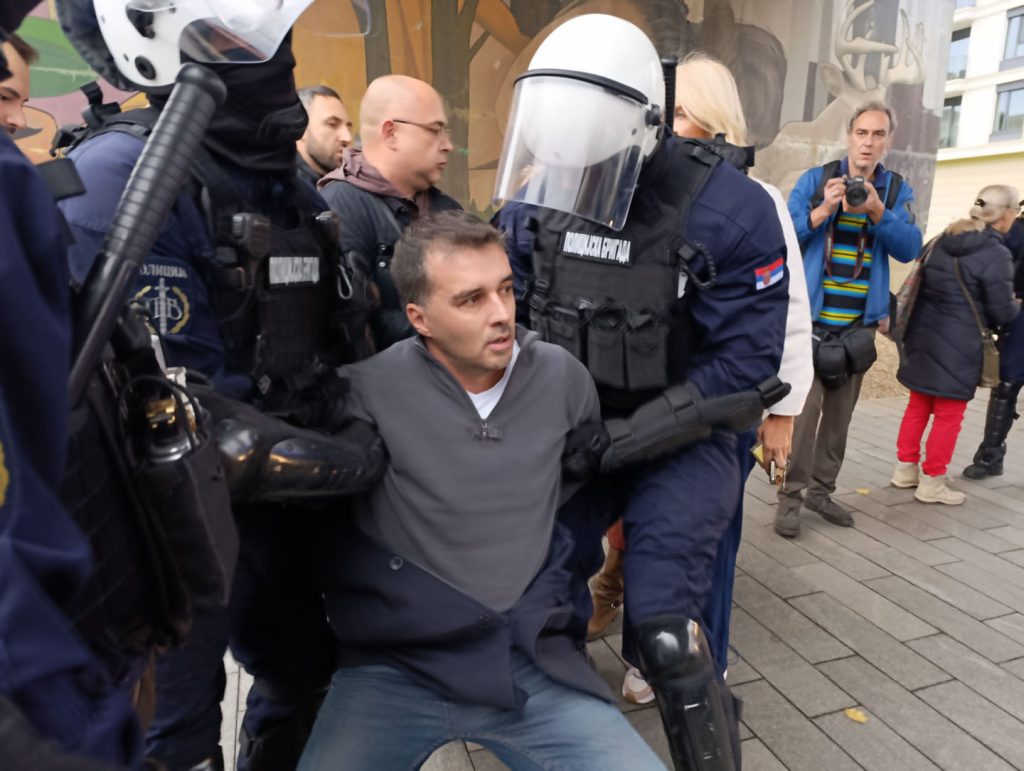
<point>486,401</point>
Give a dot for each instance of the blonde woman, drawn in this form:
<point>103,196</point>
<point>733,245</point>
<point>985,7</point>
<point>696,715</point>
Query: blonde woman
<point>708,104</point>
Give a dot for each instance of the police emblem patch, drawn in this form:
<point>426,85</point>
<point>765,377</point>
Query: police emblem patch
<point>5,477</point>
<point>168,306</point>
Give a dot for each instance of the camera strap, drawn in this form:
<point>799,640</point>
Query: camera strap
<point>862,243</point>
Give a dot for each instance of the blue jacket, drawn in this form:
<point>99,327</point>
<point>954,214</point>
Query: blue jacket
<point>895,235</point>
<point>45,668</point>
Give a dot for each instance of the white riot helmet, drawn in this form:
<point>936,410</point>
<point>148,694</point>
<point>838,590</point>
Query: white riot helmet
<point>139,44</point>
<point>585,115</point>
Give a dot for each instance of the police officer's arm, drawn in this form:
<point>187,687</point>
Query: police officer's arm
<point>267,459</point>
<point>45,668</point>
<point>897,230</point>
<point>742,318</point>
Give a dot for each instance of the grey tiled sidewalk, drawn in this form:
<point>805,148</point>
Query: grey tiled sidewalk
<point>915,616</point>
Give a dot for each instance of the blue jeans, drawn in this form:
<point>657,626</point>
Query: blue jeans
<point>378,717</point>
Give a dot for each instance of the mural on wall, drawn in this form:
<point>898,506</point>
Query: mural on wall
<point>801,66</point>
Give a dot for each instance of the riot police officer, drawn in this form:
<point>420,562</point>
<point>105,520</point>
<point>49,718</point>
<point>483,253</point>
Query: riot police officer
<point>661,268</point>
<point>247,287</point>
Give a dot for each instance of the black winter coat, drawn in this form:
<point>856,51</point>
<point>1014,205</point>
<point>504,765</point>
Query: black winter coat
<point>942,347</point>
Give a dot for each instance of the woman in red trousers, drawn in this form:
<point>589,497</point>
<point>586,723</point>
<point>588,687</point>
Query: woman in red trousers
<point>967,280</point>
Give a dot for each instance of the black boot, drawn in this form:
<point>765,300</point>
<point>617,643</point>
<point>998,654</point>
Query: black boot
<point>699,714</point>
<point>988,460</point>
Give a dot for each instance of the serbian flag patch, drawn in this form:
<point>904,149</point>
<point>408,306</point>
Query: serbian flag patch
<point>769,274</point>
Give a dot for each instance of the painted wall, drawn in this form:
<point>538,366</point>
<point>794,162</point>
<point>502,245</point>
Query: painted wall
<point>801,66</point>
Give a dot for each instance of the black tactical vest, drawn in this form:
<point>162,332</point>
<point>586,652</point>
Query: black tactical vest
<point>609,297</point>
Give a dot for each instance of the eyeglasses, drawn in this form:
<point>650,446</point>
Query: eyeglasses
<point>439,130</point>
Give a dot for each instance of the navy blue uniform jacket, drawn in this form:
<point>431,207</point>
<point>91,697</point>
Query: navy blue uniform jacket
<point>45,668</point>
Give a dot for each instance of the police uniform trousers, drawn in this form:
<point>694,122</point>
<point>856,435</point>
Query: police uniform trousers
<point>717,612</point>
<point>675,512</point>
<point>277,629</point>
<point>819,439</point>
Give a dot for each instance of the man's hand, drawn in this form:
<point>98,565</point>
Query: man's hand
<point>872,206</point>
<point>833,193</point>
<point>776,435</point>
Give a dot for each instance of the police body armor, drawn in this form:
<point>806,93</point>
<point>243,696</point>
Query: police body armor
<point>289,309</point>
<point>611,298</point>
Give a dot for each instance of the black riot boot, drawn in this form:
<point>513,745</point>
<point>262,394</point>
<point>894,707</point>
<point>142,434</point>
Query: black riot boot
<point>699,714</point>
<point>988,460</point>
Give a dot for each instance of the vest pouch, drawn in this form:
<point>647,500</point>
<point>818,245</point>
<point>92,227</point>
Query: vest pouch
<point>189,498</point>
<point>563,326</point>
<point>859,344</point>
<point>606,359</point>
<point>829,358</point>
<point>646,353</point>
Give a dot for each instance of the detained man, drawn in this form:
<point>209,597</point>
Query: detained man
<point>14,89</point>
<point>328,132</point>
<point>449,593</point>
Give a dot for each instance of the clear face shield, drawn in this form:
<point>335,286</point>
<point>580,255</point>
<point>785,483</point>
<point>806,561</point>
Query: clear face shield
<point>573,145</point>
<point>241,31</point>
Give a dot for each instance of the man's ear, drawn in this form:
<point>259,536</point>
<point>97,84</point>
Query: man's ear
<point>418,319</point>
<point>387,132</point>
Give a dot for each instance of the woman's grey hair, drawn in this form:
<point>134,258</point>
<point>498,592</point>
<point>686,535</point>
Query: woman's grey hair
<point>993,201</point>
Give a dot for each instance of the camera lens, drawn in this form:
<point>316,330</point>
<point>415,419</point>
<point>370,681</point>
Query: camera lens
<point>856,194</point>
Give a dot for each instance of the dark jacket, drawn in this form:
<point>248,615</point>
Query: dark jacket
<point>942,349</point>
<point>373,217</point>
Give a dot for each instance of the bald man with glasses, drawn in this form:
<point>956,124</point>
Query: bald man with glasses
<point>384,187</point>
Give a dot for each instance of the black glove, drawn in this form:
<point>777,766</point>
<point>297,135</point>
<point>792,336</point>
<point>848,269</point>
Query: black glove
<point>584,447</point>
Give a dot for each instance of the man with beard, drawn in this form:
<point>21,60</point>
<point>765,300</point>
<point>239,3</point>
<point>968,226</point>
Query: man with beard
<point>327,135</point>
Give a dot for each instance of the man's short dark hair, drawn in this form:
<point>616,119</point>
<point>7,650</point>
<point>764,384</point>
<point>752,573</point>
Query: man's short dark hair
<point>447,230</point>
<point>873,107</point>
<point>23,49</point>
<point>306,95</point>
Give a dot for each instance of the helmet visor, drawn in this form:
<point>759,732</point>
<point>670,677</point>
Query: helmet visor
<point>251,30</point>
<point>572,146</point>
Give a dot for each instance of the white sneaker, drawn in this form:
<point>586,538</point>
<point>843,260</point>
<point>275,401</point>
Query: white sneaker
<point>635,689</point>
<point>904,474</point>
<point>935,490</point>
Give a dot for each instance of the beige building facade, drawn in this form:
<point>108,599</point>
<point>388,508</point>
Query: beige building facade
<point>981,136</point>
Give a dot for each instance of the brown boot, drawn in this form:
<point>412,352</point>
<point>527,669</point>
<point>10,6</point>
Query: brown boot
<point>606,594</point>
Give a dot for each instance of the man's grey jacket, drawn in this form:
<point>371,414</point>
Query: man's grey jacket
<point>455,556</point>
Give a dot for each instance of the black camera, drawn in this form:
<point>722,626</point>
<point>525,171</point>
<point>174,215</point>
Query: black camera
<point>856,193</point>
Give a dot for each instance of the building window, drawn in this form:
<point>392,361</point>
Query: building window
<point>958,54</point>
<point>950,122</point>
<point>1013,55</point>
<point>1009,111</point>
<point>965,3</point>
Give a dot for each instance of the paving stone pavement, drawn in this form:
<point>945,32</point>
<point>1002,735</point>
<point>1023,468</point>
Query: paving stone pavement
<point>915,616</point>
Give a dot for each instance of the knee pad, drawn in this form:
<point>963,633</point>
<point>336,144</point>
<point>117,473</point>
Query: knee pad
<point>697,710</point>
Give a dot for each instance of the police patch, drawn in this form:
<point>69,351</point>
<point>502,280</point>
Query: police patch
<point>168,306</point>
<point>769,275</point>
<point>292,271</point>
<point>5,477</point>
<point>588,246</point>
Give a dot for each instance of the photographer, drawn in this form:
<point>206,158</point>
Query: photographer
<point>845,213</point>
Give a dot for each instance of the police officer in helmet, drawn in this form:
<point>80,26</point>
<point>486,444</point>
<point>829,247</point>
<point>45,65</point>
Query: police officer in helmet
<point>662,269</point>
<point>247,288</point>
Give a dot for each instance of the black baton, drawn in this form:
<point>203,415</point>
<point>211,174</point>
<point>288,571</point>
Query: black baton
<point>154,186</point>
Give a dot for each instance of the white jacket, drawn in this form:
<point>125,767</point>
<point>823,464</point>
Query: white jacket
<point>797,367</point>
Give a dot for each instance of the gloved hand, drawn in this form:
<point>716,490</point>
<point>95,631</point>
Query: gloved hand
<point>584,447</point>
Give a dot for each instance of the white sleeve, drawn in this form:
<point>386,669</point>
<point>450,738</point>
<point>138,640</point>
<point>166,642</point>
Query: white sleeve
<point>797,368</point>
